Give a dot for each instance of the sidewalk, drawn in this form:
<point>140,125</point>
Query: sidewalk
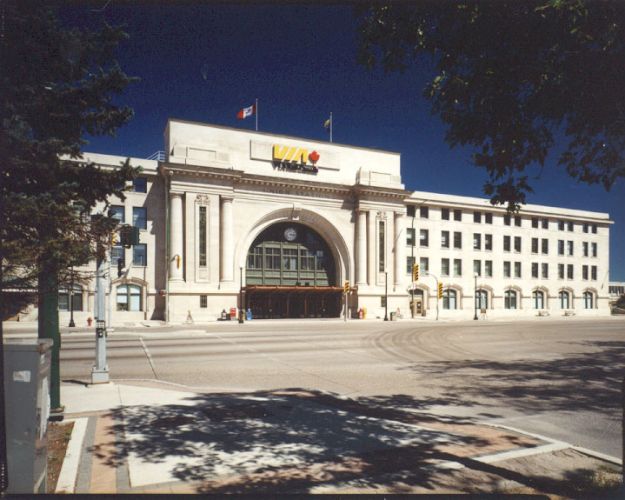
<point>156,439</point>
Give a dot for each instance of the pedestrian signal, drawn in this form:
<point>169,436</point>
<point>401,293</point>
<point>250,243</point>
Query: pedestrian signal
<point>346,287</point>
<point>440,290</point>
<point>415,272</point>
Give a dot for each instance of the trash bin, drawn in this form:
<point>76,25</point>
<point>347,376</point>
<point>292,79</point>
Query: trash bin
<point>392,316</point>
<point>27,392</point>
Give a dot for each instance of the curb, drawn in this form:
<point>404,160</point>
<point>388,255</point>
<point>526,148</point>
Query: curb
<point>66,482</point>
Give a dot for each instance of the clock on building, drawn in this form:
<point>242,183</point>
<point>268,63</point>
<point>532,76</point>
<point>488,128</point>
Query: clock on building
<point>290,233</point>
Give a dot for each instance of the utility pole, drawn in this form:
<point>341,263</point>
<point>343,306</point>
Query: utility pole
<point>100,371</point>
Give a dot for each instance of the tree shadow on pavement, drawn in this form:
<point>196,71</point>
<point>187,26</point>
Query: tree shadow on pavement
<point>300,441</point>
<point>571,382</point>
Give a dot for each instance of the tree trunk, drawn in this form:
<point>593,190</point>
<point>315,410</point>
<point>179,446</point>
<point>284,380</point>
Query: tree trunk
<point>49,324</point>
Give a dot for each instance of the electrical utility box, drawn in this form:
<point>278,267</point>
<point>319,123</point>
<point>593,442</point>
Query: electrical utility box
<point>27,405</point>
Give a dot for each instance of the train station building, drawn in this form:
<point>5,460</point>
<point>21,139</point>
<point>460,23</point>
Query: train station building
<point>278,225</point>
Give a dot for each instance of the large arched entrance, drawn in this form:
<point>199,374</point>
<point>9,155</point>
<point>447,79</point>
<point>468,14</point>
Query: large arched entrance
<point>290,273</point>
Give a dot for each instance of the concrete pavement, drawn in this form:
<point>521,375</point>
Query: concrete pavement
<point>158,438</point>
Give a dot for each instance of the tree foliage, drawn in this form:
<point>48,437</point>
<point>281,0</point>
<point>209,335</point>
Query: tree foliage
<point>512,79</point>
<point>57,85</point>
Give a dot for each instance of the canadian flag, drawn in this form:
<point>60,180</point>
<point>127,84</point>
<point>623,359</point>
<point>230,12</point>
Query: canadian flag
<point>245,112</point>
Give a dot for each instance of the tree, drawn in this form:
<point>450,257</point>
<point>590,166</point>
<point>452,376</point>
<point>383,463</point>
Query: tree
<point>56,86</point>
<point>512,79</point>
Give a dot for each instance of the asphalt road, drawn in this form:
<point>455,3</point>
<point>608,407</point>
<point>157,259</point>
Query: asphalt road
<point>559,378</point>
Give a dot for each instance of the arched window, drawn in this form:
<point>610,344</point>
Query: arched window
<point>510,297</point>
<point>481,299</point>
<point>588,300</point>
<point>565,299</point>
<point>129,298</point>
<point>450,299</point>
<point>538,299</point>
<point>76,298</point>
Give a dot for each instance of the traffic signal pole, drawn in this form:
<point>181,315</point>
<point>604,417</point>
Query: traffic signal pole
<point>100,371</point>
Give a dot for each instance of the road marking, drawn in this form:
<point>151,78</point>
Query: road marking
<point>69,470</point>
<point>149,356</point>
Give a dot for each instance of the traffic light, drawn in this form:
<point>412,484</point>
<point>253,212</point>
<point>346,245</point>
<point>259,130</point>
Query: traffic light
<point>346,287</point>
<point>440,290</point>
<point>415,272</point>
<point>129,235</point>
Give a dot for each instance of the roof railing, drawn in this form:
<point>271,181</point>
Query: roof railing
<point>158,156</point>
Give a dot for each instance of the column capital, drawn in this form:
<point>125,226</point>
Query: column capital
<point>226,198</point>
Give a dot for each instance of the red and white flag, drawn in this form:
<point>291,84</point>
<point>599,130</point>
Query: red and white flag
<point>245,112</point>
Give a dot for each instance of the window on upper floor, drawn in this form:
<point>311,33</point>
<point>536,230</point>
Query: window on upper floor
<point>534,245</point>
<point>477,241</point>
<point>444,239</point>
<point>477,217</point>
<point>594,249</point>
<point>535,222</point>
<point>488,218</point>
<point>488,268</point>
<point>444,213</point>
<point>544,246</point>
<point>544,271</point>
<point>569,246</point>
<point>140,217</point>
<point>488,242</point>
<point>410,232</point>
<point>140,185</point>
<point>560,247</point>
<point>517,221</point>
<point>424,238</point>
<point>457,239</point>
<point>506,243</point>
<point>517,269</point>
<point>517,243</point>
<point>424,212</point>
<point>458,215</point>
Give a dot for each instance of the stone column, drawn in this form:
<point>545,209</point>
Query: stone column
<point>361,256</point>
<point>175,237</point>
<point>400,248</point>
<point>227,240</point>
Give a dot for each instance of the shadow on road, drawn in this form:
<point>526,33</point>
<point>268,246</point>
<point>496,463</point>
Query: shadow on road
<point>300,441</point>
<point>582,381</point>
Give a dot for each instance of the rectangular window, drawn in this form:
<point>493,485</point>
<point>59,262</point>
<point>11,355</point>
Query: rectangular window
<point>424,264</point>
<point>424,212</point>
<point>517,243</point>
<point>593,273</point>
<point>457,267</point>
<point>117,212</point>
<point>444,239</point>
<point>545,271</point>
<point>544,246</point>
<point>517,269</point>
<point>140,217</point>
<point>535,222</point>
<point>569,226</point>
<point>488,218</point>
<point>506,269</point>
<point>488,268</point>
<point>594,249</point>
<point>409,262</point>
<point>457,239</point>
<point>560,225</point>
<point>569,271</point>
<point>594,229</point>
<point>560,271</point>
<point>410,236</point>
<point>458,215</point>
<point>445,267</point>
<point>534,270</point>
<point>569,246</point>
<point>117,254</point>
<point>381,247</point>
<point>534,245</point>
<point>203,301</point>
<point>140,255</point>
<point>517,221</point>
<point>410,211</point>
<point>545,223</point>
<point>506,220</point>
<point>477,217</point>
<point>584,272</point>
<point>506,243</point>
<point>424,238</point>
<point>255,258</point>
<point>272,258</point>
<point>585,227</point>
<point>202,237</point>
<point>140,185</point>
<point>488,242</point>
<point>444,213</point>
<point>560,247</point>
<point>477,241</point>
<point>585,248</point>
<point>477,267</point>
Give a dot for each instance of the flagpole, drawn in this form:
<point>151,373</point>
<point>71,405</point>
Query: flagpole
<point>331,124</point>
<point>256,109</point>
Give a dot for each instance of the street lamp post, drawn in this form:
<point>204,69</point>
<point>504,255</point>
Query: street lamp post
<point>241,305</point>
<point>385,295</point>
<point>71,299</point>
<point>475,296</point>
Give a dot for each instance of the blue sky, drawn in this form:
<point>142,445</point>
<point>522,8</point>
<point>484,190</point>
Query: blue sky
<point>205,62</point>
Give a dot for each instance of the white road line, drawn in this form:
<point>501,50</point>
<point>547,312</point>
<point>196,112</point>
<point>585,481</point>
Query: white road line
<point>69,470</point>
<point>149,356</point>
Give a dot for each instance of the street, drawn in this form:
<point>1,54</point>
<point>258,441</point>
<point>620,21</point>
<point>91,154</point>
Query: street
<point>558,378</point>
